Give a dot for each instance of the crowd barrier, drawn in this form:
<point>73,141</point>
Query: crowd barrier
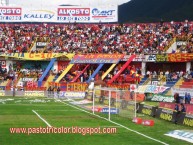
<point>23,93</point>
<point>61,94</point>
<point>167,114</point>
<point>189,107</point>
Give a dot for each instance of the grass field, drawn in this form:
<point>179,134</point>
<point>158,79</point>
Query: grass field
<point>17,112</point>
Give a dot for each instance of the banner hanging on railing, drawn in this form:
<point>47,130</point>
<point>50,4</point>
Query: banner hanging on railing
<point>97,58</point>
<point>151,89</point>
<point>182,91</point>
<point>174,57</point>
<point>41,44</point>
<point>37,56</point>
<point>59,14</point>
<point>180,57</point>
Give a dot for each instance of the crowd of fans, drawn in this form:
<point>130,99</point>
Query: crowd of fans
<point>18,71</point>
<point>149,38</point>
<point>170,75</point>
<point>143,38</point>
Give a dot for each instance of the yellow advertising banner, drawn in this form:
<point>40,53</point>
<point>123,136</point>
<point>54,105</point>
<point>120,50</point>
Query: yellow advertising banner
<point>37,56</point>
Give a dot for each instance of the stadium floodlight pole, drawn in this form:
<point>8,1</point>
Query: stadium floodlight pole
<point>109,104</point>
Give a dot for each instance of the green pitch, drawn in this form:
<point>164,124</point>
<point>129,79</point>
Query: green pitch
<point>18,113</point>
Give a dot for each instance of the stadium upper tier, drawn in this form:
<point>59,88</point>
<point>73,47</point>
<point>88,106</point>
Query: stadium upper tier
<point>150,38</point>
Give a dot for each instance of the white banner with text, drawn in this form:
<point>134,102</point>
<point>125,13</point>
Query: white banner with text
<point>67,14</point>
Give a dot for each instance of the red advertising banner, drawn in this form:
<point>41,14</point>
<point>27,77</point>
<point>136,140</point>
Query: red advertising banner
<point>10,13</point>
<point>72,87</point>
<point>189,107</point>
<point>97,58</point>
<point>73,11</point>
<point>76,87</point>
<point>32,84</point>
<point>180,57</point>
<point>73,14</point>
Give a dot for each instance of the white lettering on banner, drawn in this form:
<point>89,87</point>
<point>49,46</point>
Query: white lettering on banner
<point>160,98</point>
<point>73,11</point>
<point>112,110</point>
<point>73,14</point>
<point>7,11</point>
<point>10,14</point>
<point>180,43</point>
<point>139,58</point>
<point>74,94</point>
<point>71,95</point>
<point>34,93</point>
<point>27,79</point>
<point>58,14</point>
<point>41,43</point>
<point>182,91</point>
<point>150,58</point>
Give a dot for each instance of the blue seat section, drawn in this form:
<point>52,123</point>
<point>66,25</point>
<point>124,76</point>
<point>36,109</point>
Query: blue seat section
<point>46,71</point>
<point>143,80</point>
<point>31,65</point>
<point>95,72</point>
<point>169,84</point>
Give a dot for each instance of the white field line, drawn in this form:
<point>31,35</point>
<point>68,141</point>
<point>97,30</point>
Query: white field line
<point>116,124</point>
<point>61,110</point>
<point>42,119</point>
<point>75,111</point>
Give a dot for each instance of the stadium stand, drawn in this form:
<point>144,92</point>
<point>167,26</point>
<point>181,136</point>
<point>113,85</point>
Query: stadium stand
<point>143,38</point>
<point>149,38</point>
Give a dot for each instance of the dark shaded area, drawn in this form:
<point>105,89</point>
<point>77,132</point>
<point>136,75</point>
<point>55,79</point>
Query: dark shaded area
<point>156,10</point>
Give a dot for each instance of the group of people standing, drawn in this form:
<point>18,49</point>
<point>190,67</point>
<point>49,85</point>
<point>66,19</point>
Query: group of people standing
<point>180,99</point>
<point>179,106</point>
<point>53,90</point>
